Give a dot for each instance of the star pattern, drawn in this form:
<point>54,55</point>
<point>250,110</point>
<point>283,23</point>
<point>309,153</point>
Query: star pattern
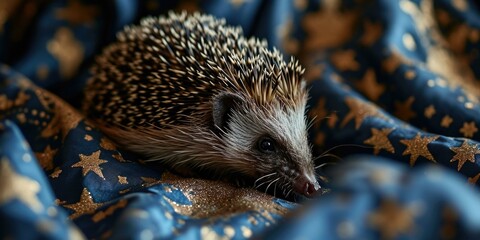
<point>17,187</point>
<point>359,110</point>
<point>369,86</point>
<point>474,180</point>
<point>322,32</point>
<point>403,110</point>
<point>91,163</point>
<point>77,13</point>
<point>418,146</point>
<point>67,50</point>
<point>468,129</point>
<point>379,140</point>
<point>446,121</point>
<point>429,111</point>
<point>435,30</point>
<point>85,205</point>
<point>465,153</point>
<point>46,158</point>
<point>392,220</point>
<point>372,32</point>
<point>344,60</point>
<point>318,113</point>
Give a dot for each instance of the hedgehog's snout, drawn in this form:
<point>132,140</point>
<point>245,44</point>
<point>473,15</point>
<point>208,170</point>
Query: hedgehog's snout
<point>306,186</point>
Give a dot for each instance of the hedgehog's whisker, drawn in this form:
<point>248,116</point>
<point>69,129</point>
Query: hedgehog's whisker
<point>326,163</point>
<point>345,145</point>
<point>273,181</point>
<point>265,176</point>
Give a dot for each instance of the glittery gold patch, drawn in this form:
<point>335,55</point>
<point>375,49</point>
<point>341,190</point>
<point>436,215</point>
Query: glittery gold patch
<point>465,153</point>
<point>379,140</point>
<point>100,215</point>
<point>84,205</point>
<point>65,118</point>
<point>228,199</point>
<point>90,162</point>
<point>418,146</point>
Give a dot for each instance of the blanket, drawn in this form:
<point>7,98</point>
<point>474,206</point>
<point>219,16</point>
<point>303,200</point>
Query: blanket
<point>394,94</point>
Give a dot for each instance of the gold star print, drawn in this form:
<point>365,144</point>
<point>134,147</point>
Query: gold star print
<point>65,119</point>
<point>318,113</point>
<point>100,215</point>
<point>46,158</point>
<point>88,138</point>
<point>391,219</point>
<point>122,180</point>
<point>372,31</point>
<point>56,173</point>
<point>418,147</point>
<point>67,51</point>
<point>106,144</point>
<point>429,111</point>
<point>314,72</point>
<point>468,129</point>
<point>76,13</point>
<point>6,104</point>
<point>466,152</point>
<point>359,110</point>
<point>395,59</point>
<point>379,140</point>
<point>322,32</point>
<point>91,163</point>
<point>446,121</point>
<point>18,187</point>
<point>474,180</point>
<point>344,60</point>
<point>404,110</point>
<point>369,86</point>
<point>84,206</point>
<point>332,120</point>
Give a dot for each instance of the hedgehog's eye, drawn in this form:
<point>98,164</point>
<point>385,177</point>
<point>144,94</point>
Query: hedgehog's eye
<point>266,145</point>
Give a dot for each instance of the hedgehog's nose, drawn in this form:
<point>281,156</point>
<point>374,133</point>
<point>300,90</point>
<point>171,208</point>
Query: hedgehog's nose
<point>306,187</point>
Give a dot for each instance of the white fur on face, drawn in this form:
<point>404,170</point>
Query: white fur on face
<point>285,125</point>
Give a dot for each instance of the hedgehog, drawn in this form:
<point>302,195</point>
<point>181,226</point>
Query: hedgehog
<point>191,92</point>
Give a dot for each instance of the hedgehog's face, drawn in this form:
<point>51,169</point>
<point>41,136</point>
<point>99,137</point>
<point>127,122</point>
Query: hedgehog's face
<point>270,144</point>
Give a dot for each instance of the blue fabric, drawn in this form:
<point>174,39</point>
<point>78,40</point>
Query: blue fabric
<point>394,81</point>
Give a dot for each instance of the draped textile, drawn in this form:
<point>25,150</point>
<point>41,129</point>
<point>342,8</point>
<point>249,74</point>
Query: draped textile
<point>394,94</point>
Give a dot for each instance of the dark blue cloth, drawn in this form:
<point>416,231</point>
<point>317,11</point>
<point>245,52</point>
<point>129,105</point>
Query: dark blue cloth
<point>395,81</point>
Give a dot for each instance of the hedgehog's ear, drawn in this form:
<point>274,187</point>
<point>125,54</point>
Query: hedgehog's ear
<point>222,106</point>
